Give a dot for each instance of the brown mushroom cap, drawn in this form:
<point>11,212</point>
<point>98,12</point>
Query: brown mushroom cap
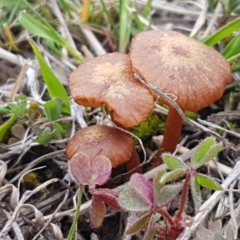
<point>179,65</point>
<point>101,140</point>
<point>108,80</point>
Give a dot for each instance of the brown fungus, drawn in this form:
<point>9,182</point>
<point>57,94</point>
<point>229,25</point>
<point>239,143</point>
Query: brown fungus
<point>99,140</point>
<point>108,80</point>
<point>183,67</point>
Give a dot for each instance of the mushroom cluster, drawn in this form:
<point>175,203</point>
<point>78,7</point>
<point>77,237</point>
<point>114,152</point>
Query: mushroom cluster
<point>176,64</point>
<point>183,67</point>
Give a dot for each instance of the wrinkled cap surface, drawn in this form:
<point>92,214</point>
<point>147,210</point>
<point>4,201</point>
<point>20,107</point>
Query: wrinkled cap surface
<point>108,80</point>
<point>194,73</point>
<point>101,140</point>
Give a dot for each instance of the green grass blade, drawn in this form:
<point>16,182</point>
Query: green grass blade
<point>125,25</point>
<point>13,11</point>
<point>138,22</point>
<point>6,126</point>
<point>46,31</point>
<point>7,3</point>
<point>236,68</point>
<point>109,17</point>
<point>147,9</point>
<point>222,33</point>
<point>54,86</point>
<point>77,214</point>
<point>232,48</point>
<point>68,6</point>
<point>233,58</point>
<point>37,28</point>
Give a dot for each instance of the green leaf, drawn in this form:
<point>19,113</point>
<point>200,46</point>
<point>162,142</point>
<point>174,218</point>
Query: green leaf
<point>5,110</point>
<point>130,200</point>
<point>139,224</point>
<point>173,162</point>
<point>208,182</point>
<point>233,47</point>
<point>157,185</point>
<point>196,193</point>
<point>222,33</point>
<point>58,131</point>
<point>53,109</point>
<point>37,28</point>
<point>44,136</point>
<point>172,175</point>
<point>205,151</point>
<point>20,108</point>
<point>54,86</point>
<point>167,193</point>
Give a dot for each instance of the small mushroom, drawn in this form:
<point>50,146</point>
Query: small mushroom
<point>183,67</point>
<point>109,80</point>
<point>100,140</point>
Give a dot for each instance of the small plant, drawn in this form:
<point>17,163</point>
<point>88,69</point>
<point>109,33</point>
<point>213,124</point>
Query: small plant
<point>92,173</point>
<point>17,110</point>
<point>151,200</point>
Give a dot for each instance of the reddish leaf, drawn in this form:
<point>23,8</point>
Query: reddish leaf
<point>80,167</point>
<point>98,212</point>
<point>101,170</point>
<point>108,196</point>
<point>87,173</point>
<point>143,187</point>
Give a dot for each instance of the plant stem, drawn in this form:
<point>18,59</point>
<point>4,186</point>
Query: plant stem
<point>77,215</point>
<point>184,194</point>
<point>171,135</point>
<point>165,214</point>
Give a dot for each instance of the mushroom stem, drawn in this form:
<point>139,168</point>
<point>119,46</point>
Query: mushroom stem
<point>171,135</point>
<point>134,162</point>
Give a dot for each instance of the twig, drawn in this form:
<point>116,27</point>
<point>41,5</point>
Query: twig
<point>201,19</point>
<point>218,127</point>
<point>217,10</point>
<point>233,219</point>
<point>58,13</point>
<point>16,59</point>
<point>93,41</point>
<point>37,161</point>
<point>18,82</point>
<point>165,97</point>
<point>50,219</point>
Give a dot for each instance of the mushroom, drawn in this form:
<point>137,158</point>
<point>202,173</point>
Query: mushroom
<point>181,66</point>
<point>109,80</point>
<point>100,140</point>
